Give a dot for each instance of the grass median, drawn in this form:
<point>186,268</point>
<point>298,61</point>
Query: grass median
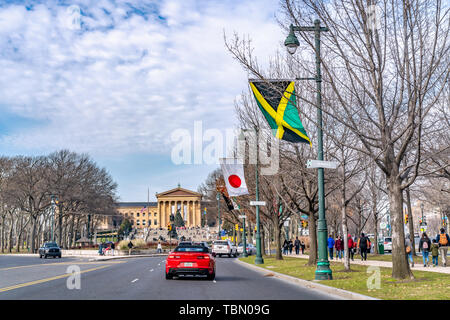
<point>425,286</point>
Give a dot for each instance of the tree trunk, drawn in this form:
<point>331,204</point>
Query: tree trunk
<point>400,266</point>
<point>375,225</point>
<point>277,234</point>
<point>2,242</point>
<point>345,228</point>
<point>312,239</point>
<point>10,234</point>
<point>410,220</point>
<point>33,234</point>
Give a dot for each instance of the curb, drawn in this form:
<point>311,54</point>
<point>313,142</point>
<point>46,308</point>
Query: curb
<point>344,294</point>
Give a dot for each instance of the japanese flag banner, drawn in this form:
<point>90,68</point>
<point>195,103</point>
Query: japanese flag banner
<point>233,174</point>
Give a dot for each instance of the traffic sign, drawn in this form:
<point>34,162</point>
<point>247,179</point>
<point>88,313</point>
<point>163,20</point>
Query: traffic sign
<point>257,203</point>
<point>383,225</point>
<point>321,164</point>
<point>242,217</point>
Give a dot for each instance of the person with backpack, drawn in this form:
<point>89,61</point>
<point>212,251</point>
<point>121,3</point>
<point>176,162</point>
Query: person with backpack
<point>363,244</point>
<point>297,245</point>
<point>408,248</point>
<point>424,246</point>
<point>443,241</point>
<point>331,246</point>
<point>435,253</point>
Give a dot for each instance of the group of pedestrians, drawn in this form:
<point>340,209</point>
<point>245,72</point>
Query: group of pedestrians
<point>288,245</point>
<point>362,245</point>
<point>437,247</point>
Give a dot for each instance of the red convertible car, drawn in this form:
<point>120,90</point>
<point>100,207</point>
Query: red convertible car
<point>190,260</point>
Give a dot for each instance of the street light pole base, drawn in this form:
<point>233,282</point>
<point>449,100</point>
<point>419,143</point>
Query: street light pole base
<point>259,260</point>
<point>323,271</point>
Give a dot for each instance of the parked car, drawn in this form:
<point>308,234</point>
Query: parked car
<point>251,249</point>
<point>190,260</point>
<point>50,249</point>
<point>387,244</point>
<point>224,247</point>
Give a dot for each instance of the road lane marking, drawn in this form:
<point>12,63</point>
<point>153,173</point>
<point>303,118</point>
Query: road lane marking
<point>61,264</point>
<point>151,270</point>
<point>26,284</point>
<point>135,280</point>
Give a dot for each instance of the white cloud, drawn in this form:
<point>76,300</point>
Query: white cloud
<point>125,81</point>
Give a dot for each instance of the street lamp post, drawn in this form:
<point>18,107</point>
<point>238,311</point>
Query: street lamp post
<point>323,271</point>
<point>259,259</point>
<point>218,213</point>
<point>53,217</point>
<point>244,240</point>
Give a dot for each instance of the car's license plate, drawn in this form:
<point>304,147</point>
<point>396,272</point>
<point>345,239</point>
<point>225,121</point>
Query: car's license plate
<point>188,264</point>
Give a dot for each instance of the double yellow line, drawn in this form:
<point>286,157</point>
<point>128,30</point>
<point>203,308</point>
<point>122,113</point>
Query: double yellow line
<point>26,284</point>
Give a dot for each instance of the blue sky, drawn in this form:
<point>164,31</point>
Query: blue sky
<point>117,81</point>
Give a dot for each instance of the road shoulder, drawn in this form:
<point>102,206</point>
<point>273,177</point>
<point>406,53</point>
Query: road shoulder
<point>342,294</point>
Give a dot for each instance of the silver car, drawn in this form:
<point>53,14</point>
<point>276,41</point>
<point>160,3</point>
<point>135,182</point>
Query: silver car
<point>251,249</point>
<point>224,247</point>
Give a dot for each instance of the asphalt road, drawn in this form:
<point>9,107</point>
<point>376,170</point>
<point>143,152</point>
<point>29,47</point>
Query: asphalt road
<point>31,278</point>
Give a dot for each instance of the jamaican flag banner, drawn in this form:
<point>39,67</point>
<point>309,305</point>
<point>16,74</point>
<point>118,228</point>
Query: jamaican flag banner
<point>276,99</point>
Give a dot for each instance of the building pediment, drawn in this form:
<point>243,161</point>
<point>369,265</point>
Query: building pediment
<point>178,192</point>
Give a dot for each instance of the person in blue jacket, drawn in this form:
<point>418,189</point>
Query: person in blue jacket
<point>331,246</point>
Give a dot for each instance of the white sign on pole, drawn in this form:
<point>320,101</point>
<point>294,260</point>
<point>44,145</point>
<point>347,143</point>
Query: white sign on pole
<point>286,223</point>
<point>383,225</point>
<point>242,217</point>
<point>321,164</point>
<point>257,203</point>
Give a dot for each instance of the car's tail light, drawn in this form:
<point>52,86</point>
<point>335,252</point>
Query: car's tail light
<point>174,257</point>
<point>171,257</point>
<point>385,242</point>
<point>203,257</point>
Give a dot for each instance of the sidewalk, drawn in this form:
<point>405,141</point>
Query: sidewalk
<point>376,263</point>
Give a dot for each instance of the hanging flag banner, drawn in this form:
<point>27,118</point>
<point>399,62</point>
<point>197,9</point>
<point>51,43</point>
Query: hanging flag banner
<point>276,100</point>
<point>233,174</point>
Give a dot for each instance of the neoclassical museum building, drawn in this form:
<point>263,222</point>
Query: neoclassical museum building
<point>157,214</point>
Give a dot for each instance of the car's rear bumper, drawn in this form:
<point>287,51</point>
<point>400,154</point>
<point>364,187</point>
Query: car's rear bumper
<point>222,251</point>
<point>190,271</point>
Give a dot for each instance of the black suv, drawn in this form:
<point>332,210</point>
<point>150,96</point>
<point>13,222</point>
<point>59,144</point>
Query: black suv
<point>49,249</point>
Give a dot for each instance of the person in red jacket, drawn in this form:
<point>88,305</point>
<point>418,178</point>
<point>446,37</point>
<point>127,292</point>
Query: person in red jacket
<point>339,245</point>
<point>351,252</point>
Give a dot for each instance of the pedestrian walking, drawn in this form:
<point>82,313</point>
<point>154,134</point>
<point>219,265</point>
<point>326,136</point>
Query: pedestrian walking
<point>350,243</point>
<point>130,245</point>
<point>113,246</point>
<point>435,253</point>
<point>443,241</point>
<point>297,245</point>
<point>425,246</point>
<point>339,245</point>
<point>100,249</point>
<point>363,244</point>
<point>285,246</point>
<point>331,246</point>
<point>159,249</point>
<point>408,248</point>
<point>302,245</point>
<point>291,246</point>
